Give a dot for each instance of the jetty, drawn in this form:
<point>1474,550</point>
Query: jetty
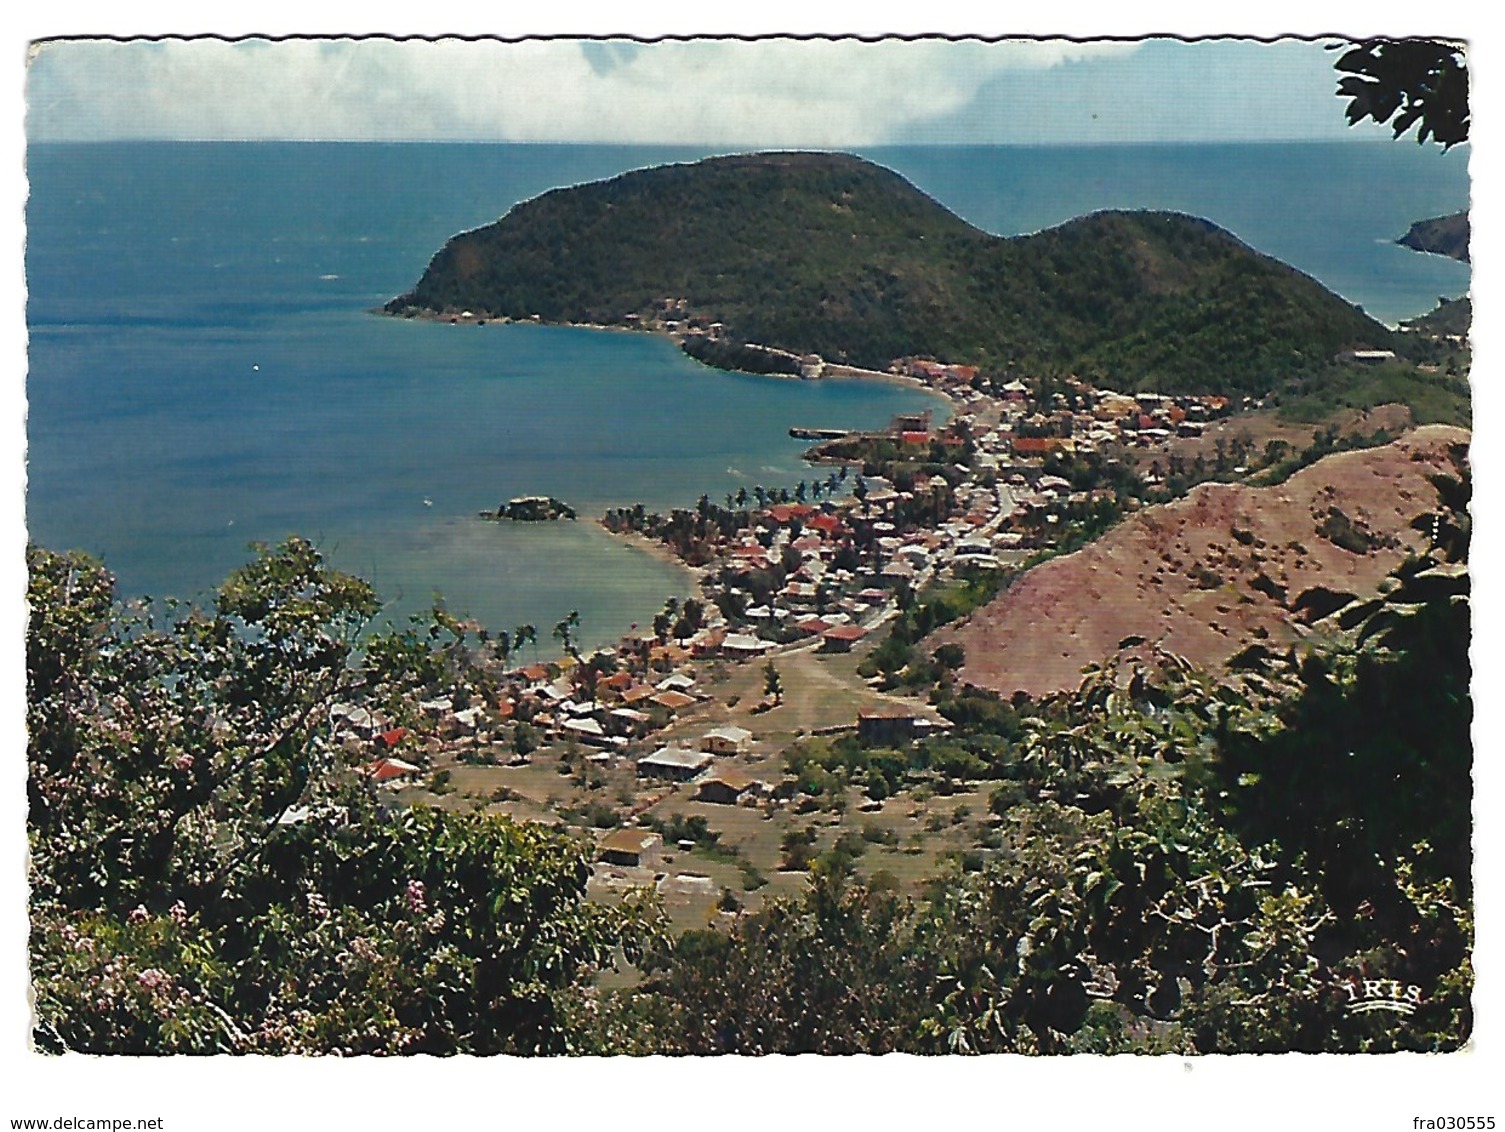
<point>821,433</point>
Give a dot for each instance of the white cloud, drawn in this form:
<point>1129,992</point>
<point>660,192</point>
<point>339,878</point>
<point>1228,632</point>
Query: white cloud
<point>770,92</point>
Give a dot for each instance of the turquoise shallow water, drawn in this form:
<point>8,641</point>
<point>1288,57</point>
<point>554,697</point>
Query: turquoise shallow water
<point>203,371</point>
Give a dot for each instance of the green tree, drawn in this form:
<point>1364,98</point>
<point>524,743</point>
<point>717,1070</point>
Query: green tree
<point>210,874</point>
<point>772,684</point>
<point>1421,83</point>
<point>567,633</point>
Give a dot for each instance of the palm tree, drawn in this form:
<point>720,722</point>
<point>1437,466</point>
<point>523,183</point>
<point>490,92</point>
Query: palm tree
<point>761,494</point>
<point>566,632</point>
<point>693,614</point>
<point>526,635</point>
<point>742,497</point>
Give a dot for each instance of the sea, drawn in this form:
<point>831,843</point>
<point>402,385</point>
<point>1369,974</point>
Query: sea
<point>204,370</point>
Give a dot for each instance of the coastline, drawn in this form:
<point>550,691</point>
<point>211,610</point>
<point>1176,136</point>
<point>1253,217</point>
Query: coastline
<point>656,550</point>
<point>835,371</point>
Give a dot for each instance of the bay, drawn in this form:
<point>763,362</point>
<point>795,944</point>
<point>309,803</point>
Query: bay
<point>203,369</point>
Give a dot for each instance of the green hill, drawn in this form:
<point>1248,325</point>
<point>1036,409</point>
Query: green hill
<point>830,254</point>
<point>1450,316</point>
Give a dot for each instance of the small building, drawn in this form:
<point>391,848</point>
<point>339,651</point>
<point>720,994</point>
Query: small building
<point>726,787</point>
<point>727,740</point>
<point>1367,357</point>
<point>672,701</point>
<point>384,770</point>
<point>841,638</point>
<point>673,762</point>
<point>887,726</point>
<point>629,721</point>
<point>638,693</point>
<point>742,646</point>
<point>350,719</point>
<point>707,642</point>
<point>631,848</point>
<point>584,729</point>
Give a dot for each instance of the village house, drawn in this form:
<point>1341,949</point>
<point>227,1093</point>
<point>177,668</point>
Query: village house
<point>727,787</point>
<point>629,722</point>
<point>673,762</point>
<point>584,729</point>
<point>347,719</point>
<point>884,727</point>
<point>741,646</point>
<point>707,643</point>
<point>638,694</point>
<point>674,701</point>
<point>1366,357</point>
<point>386,769</point>
<point>631,848</point>
<point>727,740</point>
<point>841,638</point>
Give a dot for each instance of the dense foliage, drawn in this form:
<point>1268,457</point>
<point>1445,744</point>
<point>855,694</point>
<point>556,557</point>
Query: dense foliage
<point>830,254</point>
<point>208,874</point>
<point>1438,396</point>
<point>1450,316</point>
<point>1413,82</point>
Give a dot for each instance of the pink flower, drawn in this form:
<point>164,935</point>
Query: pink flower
<point>179,914</point>
<point>153,979</point>
<point>415,897</point>
<point>183,762</point>
<point>139,915</point>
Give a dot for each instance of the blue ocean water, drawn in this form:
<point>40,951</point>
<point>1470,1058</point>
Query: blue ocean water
<point>203,369</point>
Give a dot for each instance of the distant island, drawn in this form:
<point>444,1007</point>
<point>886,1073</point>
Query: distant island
<point>790,261</point>
<point>1442,235</point>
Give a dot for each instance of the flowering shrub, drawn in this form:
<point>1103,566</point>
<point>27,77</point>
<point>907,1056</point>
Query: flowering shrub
<point>207,873</point>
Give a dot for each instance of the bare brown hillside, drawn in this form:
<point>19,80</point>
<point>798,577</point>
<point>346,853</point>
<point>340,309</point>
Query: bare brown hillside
<point>1209,574</point>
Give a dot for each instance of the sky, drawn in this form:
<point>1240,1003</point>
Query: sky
<point>768,92</point>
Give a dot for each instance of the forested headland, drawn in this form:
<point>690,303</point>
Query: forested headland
<point>829,254</point>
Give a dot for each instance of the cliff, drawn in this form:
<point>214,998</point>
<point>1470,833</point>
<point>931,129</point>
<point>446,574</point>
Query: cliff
<point>1442,235</point>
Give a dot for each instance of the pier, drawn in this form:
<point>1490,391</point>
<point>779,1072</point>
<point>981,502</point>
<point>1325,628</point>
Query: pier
<point>821,433</point>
